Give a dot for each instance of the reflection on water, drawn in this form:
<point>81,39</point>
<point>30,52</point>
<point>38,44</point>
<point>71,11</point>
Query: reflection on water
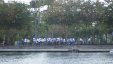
<point>56,58</point>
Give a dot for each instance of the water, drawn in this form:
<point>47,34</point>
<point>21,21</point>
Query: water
<point>56,58</point>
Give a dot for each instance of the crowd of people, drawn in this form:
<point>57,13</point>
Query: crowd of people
<point>53,41</point>
<point>67,41</point>
<point>46,41</point>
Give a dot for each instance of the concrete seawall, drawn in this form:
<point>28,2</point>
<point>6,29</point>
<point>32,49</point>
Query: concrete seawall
<point>55,50</point>
<point>75,48</point>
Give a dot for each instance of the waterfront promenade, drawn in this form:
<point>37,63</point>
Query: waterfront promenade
<point>58,48</point>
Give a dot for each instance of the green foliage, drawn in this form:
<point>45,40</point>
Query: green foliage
<point>42,30</point>
<point>14,18</point>
<point>66,18</point>
<point>74,12</point>
<point>14,15</point>
<point>82,14</point>
<point>39,3</point>
<point>107,18</point>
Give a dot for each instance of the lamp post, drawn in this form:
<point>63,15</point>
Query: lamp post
<point>93,25</point>
<point>33,5</point>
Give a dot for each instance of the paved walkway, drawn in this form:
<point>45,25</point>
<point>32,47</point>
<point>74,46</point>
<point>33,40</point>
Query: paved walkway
<point>60,47</point>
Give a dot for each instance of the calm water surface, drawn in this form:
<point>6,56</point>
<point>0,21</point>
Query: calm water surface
<point>56,58</point>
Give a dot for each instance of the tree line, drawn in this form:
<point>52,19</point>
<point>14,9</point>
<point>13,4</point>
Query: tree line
<point>15,21</point>
<point>63,18</point>
<point>82,19</point>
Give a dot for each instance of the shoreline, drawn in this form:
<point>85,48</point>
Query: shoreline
<point>55,50</point>
<point>75,48</point>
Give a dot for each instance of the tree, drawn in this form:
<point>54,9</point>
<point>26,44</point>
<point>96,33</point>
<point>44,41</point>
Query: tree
<point>82,14</point>
<point>13,16</point>
<point>107,17</point>
<point>39,3</point>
